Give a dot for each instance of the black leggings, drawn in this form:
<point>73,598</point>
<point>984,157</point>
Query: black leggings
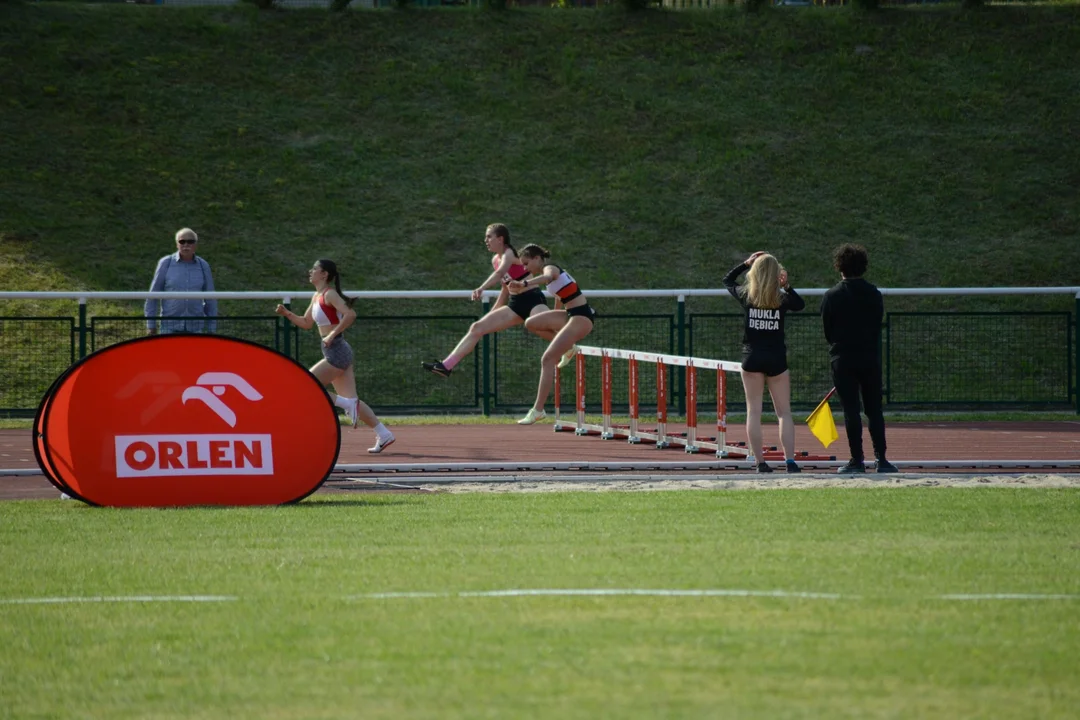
<point>852,376</point>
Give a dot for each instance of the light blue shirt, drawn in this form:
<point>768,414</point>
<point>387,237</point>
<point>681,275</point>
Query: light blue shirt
<point>173,275</point>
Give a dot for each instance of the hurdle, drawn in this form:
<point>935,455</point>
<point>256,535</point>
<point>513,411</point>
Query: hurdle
<point>633,432</point>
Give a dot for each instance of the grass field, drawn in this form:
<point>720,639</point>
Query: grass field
<point>824,603</point>
<point>648,150</point>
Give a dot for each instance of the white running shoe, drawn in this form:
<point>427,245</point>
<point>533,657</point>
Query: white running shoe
<point>353,413</point>
<point>381,444</point>
<point>568,356</point>
<point>532,417</point>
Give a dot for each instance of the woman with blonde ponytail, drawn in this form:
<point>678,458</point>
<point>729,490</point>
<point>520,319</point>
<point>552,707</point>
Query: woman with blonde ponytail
<point>766,297</point>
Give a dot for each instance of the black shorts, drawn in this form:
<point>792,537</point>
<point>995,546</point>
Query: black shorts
<point>523,303</point>
<point>770,362</point>
<point>582,311</point>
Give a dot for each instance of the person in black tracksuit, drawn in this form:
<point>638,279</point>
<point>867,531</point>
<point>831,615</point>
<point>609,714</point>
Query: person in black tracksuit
<point>851,313</point>
<point>764,351</point>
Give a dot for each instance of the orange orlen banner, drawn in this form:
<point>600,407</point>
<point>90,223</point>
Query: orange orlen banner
<point>39,443</point>
<point>187,420</point>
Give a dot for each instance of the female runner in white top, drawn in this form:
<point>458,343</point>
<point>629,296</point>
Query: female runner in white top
<point>569,322</point>
<point>334,314</point>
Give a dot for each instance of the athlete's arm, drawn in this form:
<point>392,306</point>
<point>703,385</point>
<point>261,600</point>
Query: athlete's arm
<point>827,318</point>
<point>792,300</point>
<point>547,276</point>
<point>730,281</point>
<point>346,314</point>
<point>304,322</point>
<point>504,296</point>
<point>494,278</point>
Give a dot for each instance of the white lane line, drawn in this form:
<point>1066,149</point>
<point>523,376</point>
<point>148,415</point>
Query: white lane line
<point>1009,596</point>
<point>119,599</point>
<point>593,592</point>
<point>601,592</point>
<point>568,592</point>
<point>660,593</point>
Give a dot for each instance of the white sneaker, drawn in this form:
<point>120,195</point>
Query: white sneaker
<point>532,417</point>
<point>353,413</point>
<point>381,444</point>
<point>568,356</point>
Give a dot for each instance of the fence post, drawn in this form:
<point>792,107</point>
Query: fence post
<point>82,327</point>
<point>680,321</point>
<point>486,382</point>
<point>886,360</point>
<point>288,326</point>
<point>1076,349</point>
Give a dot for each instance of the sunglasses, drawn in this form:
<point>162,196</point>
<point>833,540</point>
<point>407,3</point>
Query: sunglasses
<point>187,241</point>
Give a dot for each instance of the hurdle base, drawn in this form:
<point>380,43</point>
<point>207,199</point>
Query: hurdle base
<point>588,429</point>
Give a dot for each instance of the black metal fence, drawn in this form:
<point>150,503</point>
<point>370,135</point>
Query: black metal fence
<point>933,359</point>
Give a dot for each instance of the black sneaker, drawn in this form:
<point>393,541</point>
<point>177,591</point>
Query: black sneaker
<point>437,367</point>
<point>763,468</point>
<point>884,466</point>
<point>853,467</point>
<point>792,466</point>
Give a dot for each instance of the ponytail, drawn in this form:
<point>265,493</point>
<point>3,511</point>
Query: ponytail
<point>332,272</point>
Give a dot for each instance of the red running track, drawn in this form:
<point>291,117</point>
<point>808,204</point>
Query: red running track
<point>1016,441</point>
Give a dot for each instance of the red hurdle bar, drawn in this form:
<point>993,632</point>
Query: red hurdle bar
<point>691,409</point>
<point>606,432</point>
<point>661,406</point>
<point>721,412</point>
<point>580,368</point>
<point>633,432</point>
<point>558,425</point>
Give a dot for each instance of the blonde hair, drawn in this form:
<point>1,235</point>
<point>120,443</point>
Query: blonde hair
<point>762,286</point>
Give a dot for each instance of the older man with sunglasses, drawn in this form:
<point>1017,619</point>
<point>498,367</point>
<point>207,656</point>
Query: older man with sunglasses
<point>182,271</point>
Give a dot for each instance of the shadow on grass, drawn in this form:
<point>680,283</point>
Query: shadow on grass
<point>307,503</point>
<point>352,501</point>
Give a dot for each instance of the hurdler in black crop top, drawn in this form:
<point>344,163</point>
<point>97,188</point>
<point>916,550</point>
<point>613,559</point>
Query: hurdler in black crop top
<point>763,329</point>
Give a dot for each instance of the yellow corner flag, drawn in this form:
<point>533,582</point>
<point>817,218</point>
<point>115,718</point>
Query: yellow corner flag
<point>821,422</point>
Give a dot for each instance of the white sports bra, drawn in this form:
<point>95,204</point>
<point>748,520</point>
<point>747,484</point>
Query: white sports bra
<point>323,312</point>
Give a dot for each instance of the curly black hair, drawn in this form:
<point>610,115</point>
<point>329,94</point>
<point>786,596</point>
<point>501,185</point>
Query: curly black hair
<point>851,260</point>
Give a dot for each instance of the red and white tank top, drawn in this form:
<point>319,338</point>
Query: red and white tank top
<point>516,271</point>
<point>323,312</point>
<point>563,286</point>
